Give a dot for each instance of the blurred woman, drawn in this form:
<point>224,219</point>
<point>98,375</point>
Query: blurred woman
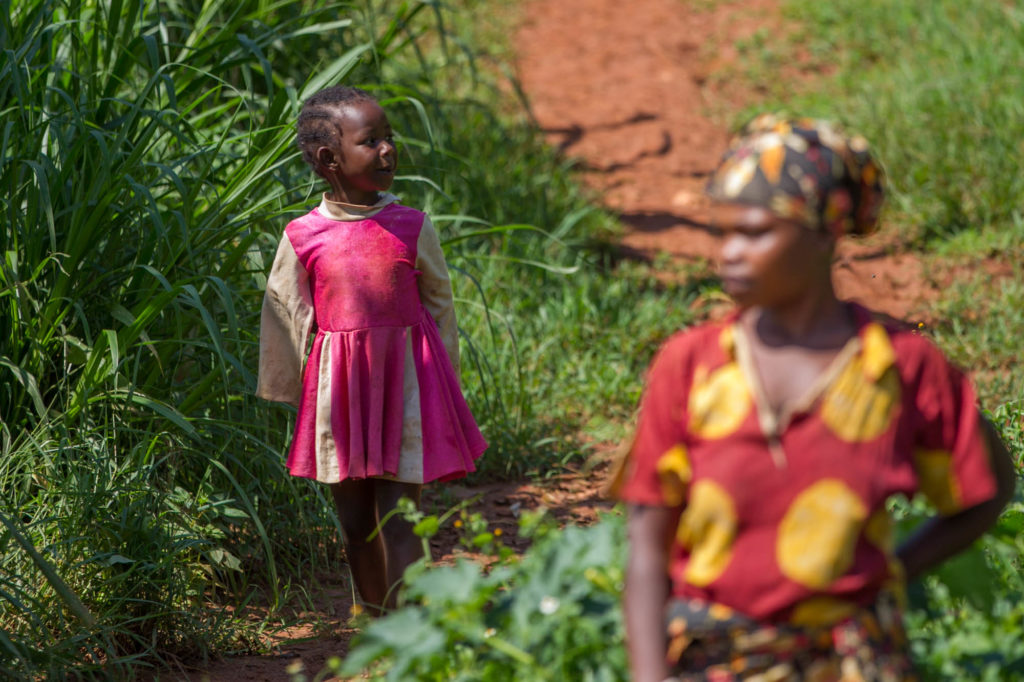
<point>767,445</point>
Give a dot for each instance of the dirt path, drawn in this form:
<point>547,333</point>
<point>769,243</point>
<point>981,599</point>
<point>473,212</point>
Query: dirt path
<point>630,89</point>
<point>570,497</point>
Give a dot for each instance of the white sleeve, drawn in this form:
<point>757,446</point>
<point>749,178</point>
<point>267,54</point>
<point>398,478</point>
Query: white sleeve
<point>285,324</point>
<point>436,289</point>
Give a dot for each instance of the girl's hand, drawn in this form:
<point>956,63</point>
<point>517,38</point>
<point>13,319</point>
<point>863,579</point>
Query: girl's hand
<point>944,536</point>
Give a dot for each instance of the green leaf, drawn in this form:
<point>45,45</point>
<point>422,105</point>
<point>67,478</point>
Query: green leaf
<point>969,576</point>
<point>448,584</point>
<point>221,558</point>
<point>427,528</point>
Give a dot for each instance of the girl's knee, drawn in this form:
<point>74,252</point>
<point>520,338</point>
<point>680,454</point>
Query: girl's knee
<point>363,503</point>
<point>388,493</point>
<point>357,511</point>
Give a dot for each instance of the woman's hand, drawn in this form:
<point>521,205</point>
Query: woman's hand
<point>944,536</point>
<point>647,590</point>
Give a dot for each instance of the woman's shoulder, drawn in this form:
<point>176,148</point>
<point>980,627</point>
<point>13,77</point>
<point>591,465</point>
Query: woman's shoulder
<point>712,340</point>
<point>912,348</point>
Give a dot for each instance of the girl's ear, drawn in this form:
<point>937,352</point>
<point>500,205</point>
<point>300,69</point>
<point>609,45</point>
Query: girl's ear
<point>325,158</point>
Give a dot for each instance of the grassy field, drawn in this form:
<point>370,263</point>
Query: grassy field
<point>147,171</point>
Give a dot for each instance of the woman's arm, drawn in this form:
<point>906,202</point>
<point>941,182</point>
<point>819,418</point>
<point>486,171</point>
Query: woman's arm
<point>647,591</point>
<point>941,537</point>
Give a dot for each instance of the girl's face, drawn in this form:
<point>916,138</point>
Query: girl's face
<point>360,162</point>
<point>768,261</point>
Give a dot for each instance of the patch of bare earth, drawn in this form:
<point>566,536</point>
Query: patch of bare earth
<point>628,88</point>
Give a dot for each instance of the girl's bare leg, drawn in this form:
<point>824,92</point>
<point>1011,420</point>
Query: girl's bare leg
<point>357,510</point>
<point>402,546</point>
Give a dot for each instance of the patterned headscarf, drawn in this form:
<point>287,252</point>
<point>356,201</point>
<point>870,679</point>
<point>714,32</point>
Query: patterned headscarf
<point>802,169</point>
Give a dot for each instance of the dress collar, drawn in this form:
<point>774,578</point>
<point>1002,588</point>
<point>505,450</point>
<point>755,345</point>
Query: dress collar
<point>339,210</point>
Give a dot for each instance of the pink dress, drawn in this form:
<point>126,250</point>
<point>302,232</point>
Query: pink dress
<point>379,394</point>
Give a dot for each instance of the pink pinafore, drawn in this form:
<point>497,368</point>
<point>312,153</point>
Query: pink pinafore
<point>379,395</point>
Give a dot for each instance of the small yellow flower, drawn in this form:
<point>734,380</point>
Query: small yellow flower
<point>458,523</point>
<point>920,324</point>
<point>355,610</point>
<point>497,532</point>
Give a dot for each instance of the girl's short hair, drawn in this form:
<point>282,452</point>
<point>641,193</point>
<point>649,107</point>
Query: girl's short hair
<point>315,126</point>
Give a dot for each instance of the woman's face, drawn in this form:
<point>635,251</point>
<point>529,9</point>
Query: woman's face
<point>766,260</point>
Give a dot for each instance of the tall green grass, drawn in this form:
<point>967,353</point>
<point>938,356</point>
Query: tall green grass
<point>147,170</point>
<point>145,157</point>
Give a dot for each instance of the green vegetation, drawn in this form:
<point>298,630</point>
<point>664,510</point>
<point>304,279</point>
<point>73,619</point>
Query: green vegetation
<point>148,170</point>
<point>554,615</point>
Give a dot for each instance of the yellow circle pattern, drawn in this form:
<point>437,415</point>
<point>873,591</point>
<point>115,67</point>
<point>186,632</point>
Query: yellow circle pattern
<point>818,535</point>
<point>708,529</point>
<point>821,610</point>
<point>674,473</point>
<point>936,481</point>
<point>858,409</point>
<point>719,401</point>
<point>878,531</point>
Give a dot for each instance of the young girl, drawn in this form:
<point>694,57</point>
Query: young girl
<point>768,445</point>
<point>380,408</point>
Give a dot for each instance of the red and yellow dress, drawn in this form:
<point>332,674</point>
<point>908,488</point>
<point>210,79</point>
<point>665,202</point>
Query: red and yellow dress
<point>782,528</point>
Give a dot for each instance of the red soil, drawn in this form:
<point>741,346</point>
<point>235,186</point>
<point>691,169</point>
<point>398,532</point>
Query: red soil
<point>630,89</point>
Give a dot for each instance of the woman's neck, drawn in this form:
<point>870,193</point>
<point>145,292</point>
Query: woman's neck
<point>819,320</point>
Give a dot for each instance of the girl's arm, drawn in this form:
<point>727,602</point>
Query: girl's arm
<point>285,323</point>
<point>647,591</point>
<point>436,289</point>
<point>941,537</point>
